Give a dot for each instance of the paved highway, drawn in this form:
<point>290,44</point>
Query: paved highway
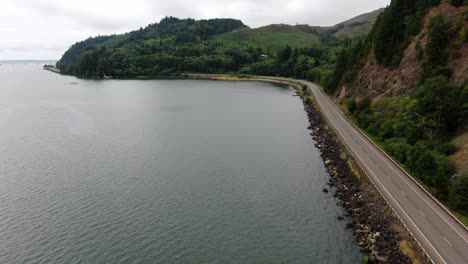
<point>443,238</point>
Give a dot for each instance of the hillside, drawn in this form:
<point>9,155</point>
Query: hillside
<point>175,46</point>
<point>277,36</point>
<point>406,85</point>
<point>357,26</point>
<point>162,49</point>
<point>377,79</point>
<point>273,37</point>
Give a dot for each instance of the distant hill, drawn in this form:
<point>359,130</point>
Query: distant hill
<point>161,49</point>
<point>357,26</point>
<point>276,36</point>
<point>273,37</point>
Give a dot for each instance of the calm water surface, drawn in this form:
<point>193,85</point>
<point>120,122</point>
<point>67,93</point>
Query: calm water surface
<point>160,172</point>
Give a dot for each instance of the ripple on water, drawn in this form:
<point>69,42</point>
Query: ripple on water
<point>162,172</point>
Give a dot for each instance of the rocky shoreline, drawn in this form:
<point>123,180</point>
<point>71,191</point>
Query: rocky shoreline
<point>366,215</point>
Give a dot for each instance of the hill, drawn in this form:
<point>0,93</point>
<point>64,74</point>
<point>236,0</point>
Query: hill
<point>273,37</point>
<point>162,49</point>
<point>174,46</point>
<point>357,26</point>
<point>406,85</point>
<point>277,36</point>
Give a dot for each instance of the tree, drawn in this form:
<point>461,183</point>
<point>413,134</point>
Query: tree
<point>425,166</point>
<point>458,196</point>
<point>351,104</point>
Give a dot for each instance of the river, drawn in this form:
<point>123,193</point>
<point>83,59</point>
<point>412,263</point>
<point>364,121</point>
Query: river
<point>160,171</point>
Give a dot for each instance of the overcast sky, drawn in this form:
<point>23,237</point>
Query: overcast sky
<point>44,29</point>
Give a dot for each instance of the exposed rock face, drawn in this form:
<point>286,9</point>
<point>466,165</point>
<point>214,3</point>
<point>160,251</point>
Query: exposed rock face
<point>375,81</point>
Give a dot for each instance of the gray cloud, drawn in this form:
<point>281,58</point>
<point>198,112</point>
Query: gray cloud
<point>44,29</point>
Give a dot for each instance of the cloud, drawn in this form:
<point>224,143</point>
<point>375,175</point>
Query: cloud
<point>39,29</point>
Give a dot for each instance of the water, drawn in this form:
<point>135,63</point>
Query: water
<point>160,172</point>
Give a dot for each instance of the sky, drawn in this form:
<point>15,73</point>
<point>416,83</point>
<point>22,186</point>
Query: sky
<point>45,29</point>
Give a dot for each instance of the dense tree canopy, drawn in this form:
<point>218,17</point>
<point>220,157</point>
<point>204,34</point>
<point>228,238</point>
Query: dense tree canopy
<point>167,48</point>
<point>176,46</point>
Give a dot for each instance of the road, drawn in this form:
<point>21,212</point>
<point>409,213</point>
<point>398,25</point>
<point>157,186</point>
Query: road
<point>443,238</point>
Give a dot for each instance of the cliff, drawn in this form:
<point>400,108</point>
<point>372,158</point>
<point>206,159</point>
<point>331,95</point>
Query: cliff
<point>375,80</point>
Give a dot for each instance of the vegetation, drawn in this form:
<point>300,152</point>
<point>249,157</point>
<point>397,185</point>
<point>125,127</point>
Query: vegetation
<point>394,28</point>
<point>416,128</point>
<point>273,38</point>
<point>314,63</point>
<point>175,46</point>
<point>165,49</point>
<point>178,46</point>
<point>439,35</point>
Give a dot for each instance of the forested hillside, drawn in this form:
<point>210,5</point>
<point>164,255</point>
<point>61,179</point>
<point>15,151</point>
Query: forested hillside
<point>406,86</point>
<point>163,49</point>
<point>175,46</point>
<point>273,38</point>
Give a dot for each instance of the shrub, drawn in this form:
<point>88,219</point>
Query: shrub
<point>457,3</point>
<point>399,149</point>
<point>458,193</point>
<point>351,104</point>
<point>419,51</point>
<point>373,130</point>
<point>447,148</point>
<point>425,166</point>
<point>444,171</point>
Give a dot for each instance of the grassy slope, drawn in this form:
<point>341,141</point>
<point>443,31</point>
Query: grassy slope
<point>357,26</point>
<point>274,37</point>
<point>278,36</point>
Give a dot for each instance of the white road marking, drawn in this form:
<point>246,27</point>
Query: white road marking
<point>422,213</point>
<point>447,241</point>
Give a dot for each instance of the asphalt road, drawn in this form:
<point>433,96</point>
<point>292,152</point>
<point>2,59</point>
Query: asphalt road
<point>443,238</point>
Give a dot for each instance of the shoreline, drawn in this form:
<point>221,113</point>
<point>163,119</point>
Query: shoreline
<point>375,227</point>
<point>377,230</point>
<point>52,69</point>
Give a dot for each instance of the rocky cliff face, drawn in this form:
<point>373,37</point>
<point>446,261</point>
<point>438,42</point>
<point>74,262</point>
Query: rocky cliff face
<point>374,80</point>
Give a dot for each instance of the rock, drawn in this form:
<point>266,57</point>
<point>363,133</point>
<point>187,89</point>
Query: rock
<point>376,235</point>
<point>365,215</point>
<point>380,259</point>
